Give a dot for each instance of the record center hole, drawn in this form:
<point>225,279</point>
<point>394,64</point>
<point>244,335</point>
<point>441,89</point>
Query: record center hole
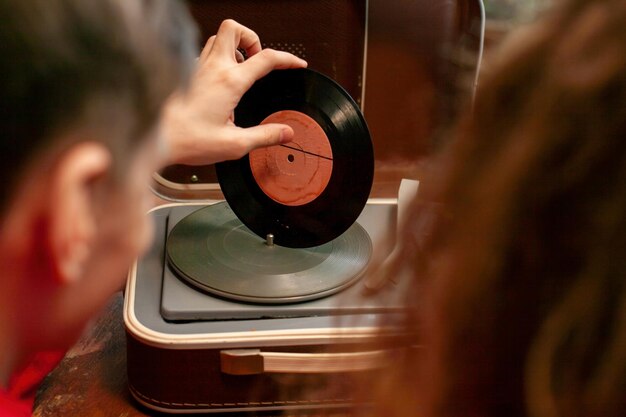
<point>291,158</point>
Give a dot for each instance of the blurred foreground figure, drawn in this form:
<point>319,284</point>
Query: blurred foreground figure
<point>95,95</point>
<point>521,283</point>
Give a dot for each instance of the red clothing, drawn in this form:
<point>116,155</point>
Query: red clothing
<point>18,398</point>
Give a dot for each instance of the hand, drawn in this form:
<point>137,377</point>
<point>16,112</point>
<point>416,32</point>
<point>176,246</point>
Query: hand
<point>198,124</point>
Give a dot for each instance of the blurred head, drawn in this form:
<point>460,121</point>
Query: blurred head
<point>82,86</point>
<point>523,280</point>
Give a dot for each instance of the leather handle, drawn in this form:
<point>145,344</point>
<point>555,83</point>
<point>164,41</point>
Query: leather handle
<point>254,362</point>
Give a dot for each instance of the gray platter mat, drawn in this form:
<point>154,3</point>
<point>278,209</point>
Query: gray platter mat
<point>212,250</point>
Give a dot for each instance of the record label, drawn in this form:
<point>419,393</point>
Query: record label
<point>298,172</point>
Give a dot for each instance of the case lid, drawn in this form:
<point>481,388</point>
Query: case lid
<point>407,63</point>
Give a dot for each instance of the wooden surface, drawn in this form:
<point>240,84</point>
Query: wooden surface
<point>91,379</point>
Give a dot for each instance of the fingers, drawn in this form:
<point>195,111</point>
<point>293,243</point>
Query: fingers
<point>232,35</point>
<point>265,135</point>
<point>239,56</point>
<point>208,47</point>
<point>267,60</point>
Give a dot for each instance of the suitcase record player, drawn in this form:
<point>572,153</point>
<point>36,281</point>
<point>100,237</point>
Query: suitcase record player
<point>273,268</point>
<point>256,303</point>
<point>189,350</point>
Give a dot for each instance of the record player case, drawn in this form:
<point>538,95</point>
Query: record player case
<point>189,352</point>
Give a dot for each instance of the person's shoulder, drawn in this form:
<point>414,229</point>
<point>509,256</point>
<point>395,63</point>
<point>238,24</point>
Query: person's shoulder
<point>18,398</point>
<point>13,407</point>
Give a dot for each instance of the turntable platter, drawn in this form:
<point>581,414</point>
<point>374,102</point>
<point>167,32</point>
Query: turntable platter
<point>211,249</point>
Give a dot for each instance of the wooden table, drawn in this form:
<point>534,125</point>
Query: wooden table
<point>91,379</point>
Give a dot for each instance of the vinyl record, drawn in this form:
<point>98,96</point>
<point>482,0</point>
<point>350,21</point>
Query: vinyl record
<point>309,191</point>
<point>212,250</point>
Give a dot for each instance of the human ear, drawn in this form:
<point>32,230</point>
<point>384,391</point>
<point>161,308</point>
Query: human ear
<point>71,210</point>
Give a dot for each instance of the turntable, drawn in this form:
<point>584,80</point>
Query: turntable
<point>235,295</point>
<point>257,303</point>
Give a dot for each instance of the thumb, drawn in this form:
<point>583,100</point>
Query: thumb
<point>266,135</point>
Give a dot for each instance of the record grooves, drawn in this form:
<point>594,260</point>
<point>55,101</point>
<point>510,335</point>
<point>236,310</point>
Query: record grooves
<point>311,190</point>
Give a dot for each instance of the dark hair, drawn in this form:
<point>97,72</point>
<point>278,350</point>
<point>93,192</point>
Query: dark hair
<point>523,278</point>
<point>59,57</point>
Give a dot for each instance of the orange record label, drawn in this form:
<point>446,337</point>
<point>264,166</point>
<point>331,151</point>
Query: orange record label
<point>297,172</point>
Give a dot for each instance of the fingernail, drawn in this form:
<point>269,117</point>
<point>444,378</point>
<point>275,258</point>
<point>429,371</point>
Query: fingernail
<point>285,136</point>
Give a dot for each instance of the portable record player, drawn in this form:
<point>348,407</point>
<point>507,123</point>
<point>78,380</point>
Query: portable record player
<point>257,303</point>
<point>195,352</point>
<point>273,269</point>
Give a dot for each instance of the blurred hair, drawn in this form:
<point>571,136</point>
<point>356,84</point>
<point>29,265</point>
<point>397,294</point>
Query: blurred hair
<point>522,277</point>
<point>107,65</point>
